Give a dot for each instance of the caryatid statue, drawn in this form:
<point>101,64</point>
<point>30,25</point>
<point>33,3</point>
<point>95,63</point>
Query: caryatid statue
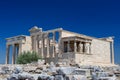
<point>87,48</point>
<point>81,48</point>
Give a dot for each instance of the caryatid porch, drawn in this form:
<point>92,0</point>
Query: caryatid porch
<point>77,45</point>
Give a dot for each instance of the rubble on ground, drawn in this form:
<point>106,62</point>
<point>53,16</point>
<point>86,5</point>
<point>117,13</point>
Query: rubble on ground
<point>41,71</point>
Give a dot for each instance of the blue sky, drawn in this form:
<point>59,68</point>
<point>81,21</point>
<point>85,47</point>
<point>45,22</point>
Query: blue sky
<point>97,18</point>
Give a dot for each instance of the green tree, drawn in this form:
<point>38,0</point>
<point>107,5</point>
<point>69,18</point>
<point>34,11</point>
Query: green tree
<point>27,57</point>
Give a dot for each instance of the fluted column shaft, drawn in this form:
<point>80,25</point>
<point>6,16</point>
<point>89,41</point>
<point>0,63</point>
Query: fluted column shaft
<point>13,54</point>
<point>42,48</point>
<point>48,46</point>
<point>7,54</point>
<point>112,52</point>
<point>54,44</point>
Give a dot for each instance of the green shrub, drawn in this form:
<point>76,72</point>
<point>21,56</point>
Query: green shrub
<point>27,57</point>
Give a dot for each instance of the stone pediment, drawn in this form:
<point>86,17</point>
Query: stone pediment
<point>35,29</point>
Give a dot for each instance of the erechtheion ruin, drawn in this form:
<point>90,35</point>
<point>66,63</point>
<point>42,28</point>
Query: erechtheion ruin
<point>61,45</point>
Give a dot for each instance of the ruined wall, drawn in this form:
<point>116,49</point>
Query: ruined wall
<point>100,53</point>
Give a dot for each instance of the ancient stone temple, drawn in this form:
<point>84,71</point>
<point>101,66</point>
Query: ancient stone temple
<point>61,45</point>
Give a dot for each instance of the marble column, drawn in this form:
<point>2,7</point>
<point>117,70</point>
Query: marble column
<point>62,47</point>
<point>68,46</point>
<point>7,53</point>
<point>84,47</point>
<point>59,43</point>
<point>80,47</point>
<point>48,46</point>
<point>32,40</point>
<point>20,48</point>
<point>17,51</point>
<point>112,52</point>
<point>75,46</point>
<point>13,54</point>
<point>42,48</point>
<point>36,44</point>
<point>89,48</point>
<point>54,44</point>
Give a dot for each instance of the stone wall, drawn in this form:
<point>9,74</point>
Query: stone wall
<point>27,46</point>
<point>101,50</point>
